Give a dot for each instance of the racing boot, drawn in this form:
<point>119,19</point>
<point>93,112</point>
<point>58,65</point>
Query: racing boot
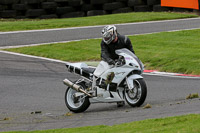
<point>120,104</point>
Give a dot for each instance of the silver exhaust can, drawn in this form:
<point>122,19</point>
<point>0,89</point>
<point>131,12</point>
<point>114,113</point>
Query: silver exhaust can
<point>75,86</point>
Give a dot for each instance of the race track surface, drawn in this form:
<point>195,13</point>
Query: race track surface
<point>32,97</point>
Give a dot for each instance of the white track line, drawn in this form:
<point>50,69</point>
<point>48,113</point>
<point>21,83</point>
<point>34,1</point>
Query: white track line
<point>32,56</point>
<point>38,44</point>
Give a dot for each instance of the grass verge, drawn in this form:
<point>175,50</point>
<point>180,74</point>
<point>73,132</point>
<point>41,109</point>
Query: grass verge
<point>179,124</point>
<point>167,51</point>
<point>27,24</point>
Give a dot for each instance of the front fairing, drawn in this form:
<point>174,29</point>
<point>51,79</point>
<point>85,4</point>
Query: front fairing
<point>130,58</point>
<point>132,63</point>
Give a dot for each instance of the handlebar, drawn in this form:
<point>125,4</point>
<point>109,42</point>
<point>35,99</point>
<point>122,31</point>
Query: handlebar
<point>120,61</point>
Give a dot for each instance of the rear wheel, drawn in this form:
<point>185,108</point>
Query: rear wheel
<point>76,104</point>
<point>137,95</point>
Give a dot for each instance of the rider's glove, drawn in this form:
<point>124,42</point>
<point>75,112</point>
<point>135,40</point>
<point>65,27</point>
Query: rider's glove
<point>118,63</point>
<point>111,62</point>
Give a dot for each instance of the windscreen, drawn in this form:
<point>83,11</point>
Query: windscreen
<point>125,50</point>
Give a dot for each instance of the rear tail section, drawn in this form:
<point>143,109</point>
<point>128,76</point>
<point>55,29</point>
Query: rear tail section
<point>80,69</point>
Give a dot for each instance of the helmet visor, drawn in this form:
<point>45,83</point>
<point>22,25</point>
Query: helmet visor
<point>107,38</point>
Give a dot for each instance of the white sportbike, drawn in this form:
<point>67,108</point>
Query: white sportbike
<point>106,83</point>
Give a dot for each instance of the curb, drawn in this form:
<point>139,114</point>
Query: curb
<point>155,72</point>
<point>170,74</point>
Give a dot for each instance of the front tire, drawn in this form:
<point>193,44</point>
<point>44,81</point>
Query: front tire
<point>137,95</point>
<point>76,104</point>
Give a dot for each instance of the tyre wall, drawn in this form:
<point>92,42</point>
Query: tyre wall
<point>44,9</point>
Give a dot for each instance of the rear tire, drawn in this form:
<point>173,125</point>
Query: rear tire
<point>76,105</point>
<point>136,96</point>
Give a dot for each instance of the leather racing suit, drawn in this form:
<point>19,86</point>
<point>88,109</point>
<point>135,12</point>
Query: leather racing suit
<point>108,50</point>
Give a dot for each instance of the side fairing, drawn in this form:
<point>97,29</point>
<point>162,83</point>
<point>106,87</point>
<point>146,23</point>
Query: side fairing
<point>101,68</point>
<point>119,74</point>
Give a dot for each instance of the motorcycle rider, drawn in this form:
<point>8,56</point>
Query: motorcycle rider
<point>112,41</point>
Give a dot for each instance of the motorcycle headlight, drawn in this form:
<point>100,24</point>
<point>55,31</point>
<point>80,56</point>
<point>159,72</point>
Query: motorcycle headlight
<point>133,65</point>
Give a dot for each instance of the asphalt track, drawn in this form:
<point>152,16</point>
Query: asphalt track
<point>32,94</point>
<point>68,34</point>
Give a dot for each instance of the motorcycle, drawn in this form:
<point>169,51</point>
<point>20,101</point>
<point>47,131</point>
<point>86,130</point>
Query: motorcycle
<point>106,83</point>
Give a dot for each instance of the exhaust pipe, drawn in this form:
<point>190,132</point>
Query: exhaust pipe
<point>75,86</point>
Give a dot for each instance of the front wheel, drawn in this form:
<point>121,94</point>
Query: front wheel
<point>76,104</point>
<point>136,96</point>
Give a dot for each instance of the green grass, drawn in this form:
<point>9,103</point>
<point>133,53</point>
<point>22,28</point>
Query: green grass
<point>179,124</point>
<point>72,51</point>
<point>27,24</point>
<point>167,51</point>
<point>170,51</point>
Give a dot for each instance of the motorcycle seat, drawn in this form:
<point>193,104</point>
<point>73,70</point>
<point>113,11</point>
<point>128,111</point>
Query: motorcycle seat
<point>88,69</point>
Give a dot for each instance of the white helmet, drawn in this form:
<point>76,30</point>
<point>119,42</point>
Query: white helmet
<point>109,33</point>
